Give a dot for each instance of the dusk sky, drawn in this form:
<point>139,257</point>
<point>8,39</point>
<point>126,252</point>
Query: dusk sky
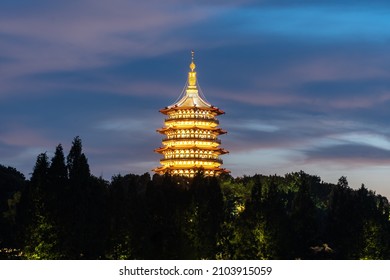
<point>305,84</point>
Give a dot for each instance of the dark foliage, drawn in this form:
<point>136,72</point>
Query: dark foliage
<point>64,212</point>
<point>12,183</point>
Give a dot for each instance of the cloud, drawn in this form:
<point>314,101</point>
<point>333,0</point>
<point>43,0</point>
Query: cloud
<point>352,154</point>
<point>22,136</point>
<point>90,34</point>
<point>355,145</point>
<point>19,147</point>
<point>304,85</point>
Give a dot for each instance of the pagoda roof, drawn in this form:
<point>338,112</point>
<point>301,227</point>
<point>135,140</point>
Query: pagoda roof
<point>192,99</point>
<point>215,129</point>
<point>192,96</point>
<point>221,150</point>
<point>165,168</point>
<point>176,106</point>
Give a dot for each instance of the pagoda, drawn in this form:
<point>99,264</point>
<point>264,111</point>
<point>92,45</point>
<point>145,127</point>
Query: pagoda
<point>191,134</point>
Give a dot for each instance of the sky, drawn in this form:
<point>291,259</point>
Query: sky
<point>305,84</point>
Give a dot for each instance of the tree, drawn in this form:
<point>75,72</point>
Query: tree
<point>86,214</point>
<point>42,236</point>
<point>344,223</point>
<point>203,216</point>
<point>77,163</point>
<point>58,171</point>
<point>303,217</point>
<point>12,183</point>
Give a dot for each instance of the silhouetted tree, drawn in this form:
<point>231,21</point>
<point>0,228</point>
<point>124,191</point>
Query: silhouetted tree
<point>303,217</point>
<point>41,235</point>
<point>64,212</point>
<point>86,216</point>
<point>12,183</point>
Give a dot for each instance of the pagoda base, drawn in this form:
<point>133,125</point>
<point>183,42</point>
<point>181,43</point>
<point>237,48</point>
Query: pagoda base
<point>191,172</point>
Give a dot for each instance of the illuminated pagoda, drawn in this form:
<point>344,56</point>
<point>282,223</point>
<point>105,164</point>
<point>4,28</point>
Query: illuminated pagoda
<point>191,134</point>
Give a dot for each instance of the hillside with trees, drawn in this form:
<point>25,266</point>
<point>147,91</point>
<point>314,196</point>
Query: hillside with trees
<point>65,212</point>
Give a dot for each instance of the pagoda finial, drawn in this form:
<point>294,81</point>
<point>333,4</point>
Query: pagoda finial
<point>192,74</point>
<point>192,65</point>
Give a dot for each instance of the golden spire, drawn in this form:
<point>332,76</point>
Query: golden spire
<point>192,74</point>
<point>192,65</point>
<point>191,132</point>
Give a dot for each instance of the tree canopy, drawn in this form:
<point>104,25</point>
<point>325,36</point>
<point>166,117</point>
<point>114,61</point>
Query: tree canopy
<point>65,212</point>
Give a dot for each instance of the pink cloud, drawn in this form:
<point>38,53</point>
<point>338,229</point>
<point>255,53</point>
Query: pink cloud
<point>88,34</point>
<point>25,137</point>
<point>360,102</point>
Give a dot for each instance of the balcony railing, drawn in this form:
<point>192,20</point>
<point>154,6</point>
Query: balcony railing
<point>185,160</point>
<point>192,139</point>
<point>212,120</point>
<point>191,116</point>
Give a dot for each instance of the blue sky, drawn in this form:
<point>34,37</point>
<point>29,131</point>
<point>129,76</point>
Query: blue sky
<point>304,84</point>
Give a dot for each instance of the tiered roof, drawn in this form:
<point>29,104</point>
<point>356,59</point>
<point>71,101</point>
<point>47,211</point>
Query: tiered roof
<point>184,151</point>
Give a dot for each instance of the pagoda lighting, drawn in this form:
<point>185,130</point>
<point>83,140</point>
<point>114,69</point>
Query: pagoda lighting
<point>191,134</point>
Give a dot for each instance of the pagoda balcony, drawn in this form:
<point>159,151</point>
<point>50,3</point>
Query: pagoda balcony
<point>191,131</point>
<point>194,159</point>
<point>191,136</point>
<point>215,150</point>
<point>192,139</point>
<point>214,130</point>
<point>191,116</point>
<point>212,120</point>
